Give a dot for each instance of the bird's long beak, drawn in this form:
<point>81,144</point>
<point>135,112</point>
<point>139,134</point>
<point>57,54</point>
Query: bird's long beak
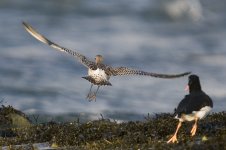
<point>187,88</point>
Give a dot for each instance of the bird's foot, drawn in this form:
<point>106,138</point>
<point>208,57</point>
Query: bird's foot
<point>91,97</point>
<point>173,139</point>
<point>193,130</point>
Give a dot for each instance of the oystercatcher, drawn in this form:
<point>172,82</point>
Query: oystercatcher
<point>196,105</point>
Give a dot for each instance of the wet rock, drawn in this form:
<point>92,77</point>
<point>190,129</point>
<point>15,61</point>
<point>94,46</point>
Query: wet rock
<point>10,118</point>
<point>152,133</point>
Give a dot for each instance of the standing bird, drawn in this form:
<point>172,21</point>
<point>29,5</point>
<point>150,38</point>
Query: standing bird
<point>196,105</point>
<point>98,73</point>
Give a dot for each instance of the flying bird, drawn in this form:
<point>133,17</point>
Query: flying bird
<point>196,105</point>
<point>98,73</point>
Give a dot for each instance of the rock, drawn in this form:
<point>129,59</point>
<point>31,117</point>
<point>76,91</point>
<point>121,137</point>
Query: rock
<point>11,118</point>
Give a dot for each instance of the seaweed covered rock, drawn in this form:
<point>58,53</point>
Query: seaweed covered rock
<point>151,133</point>
<point>11,118</point>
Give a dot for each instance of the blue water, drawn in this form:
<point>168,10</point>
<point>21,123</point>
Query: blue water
<point>152,35</point>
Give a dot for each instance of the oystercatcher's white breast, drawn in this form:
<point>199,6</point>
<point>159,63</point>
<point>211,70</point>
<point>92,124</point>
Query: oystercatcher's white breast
<point>202,113</point>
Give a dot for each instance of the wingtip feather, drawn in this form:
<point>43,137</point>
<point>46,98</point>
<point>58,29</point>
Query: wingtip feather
<point>35,34</point>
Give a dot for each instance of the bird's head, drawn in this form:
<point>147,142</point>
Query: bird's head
<point>193,83</point>
<point>99,59</point>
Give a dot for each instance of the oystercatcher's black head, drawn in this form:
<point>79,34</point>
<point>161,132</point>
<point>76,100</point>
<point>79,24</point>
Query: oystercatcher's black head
<point>194,83</point>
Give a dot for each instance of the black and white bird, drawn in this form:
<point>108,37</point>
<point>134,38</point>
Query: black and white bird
<point>196,105</point>
<point>98,73</point>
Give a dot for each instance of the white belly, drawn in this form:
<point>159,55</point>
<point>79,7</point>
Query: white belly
<point>202,113</point>
<point>99,75</point>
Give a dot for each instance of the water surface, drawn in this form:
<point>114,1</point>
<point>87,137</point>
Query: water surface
<point>152,35</point>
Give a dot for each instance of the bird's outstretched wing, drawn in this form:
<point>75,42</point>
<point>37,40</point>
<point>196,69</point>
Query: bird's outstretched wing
<point>80,57</point>
<point>119,71</point>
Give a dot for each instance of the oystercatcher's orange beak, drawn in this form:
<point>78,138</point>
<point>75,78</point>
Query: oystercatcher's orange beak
<point>187,88</point>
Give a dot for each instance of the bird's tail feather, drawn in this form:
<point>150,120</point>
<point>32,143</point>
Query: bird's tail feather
<point>90,79</point>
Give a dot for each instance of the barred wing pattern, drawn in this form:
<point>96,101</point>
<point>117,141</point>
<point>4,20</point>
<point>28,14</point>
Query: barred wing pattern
<point>128,71</point>
<point>80,57</point>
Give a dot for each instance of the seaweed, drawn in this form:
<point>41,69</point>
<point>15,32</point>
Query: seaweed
<point>151,133</point>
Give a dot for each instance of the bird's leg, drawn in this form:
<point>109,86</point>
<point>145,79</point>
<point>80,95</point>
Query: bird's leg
<point>173,139</point>
<point>95,94</point>
<point>93,97</point>
<point>194,128</point>
<point>89,94</point>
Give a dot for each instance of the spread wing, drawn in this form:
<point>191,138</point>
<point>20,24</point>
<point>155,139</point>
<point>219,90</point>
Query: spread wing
<point>119,71</point>
<point>80,57</point>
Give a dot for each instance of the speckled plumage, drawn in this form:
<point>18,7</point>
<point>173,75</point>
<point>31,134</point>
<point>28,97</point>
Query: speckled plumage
<point>98,73</point>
